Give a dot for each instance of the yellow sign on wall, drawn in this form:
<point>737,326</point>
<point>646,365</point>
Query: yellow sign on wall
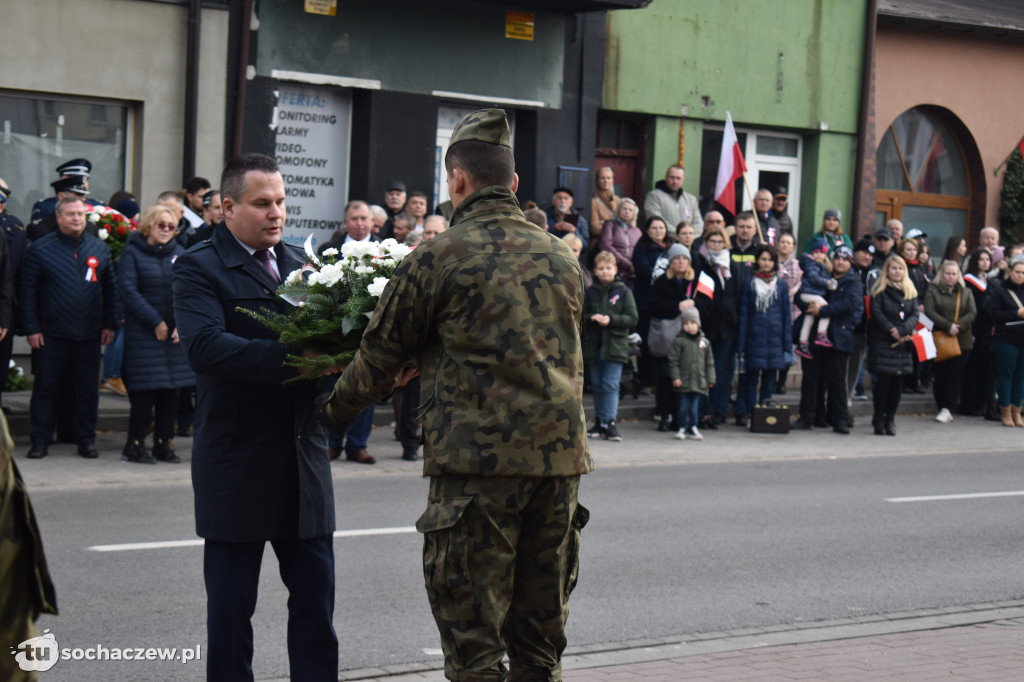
<point>518,25</point>
<point>326,7</point>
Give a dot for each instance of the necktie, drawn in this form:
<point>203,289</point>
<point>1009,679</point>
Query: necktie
<point>263,256</point>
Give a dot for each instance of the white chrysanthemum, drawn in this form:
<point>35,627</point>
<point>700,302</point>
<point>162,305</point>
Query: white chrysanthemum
<point>363,269</point>
<point>358,250</point>
<point>103,234</point>
<point>294,277</point>
<point>376,288</point>
<point>388,262</point>
<point>331,274</point>
<point>399,251</point>
<point>329,252</point>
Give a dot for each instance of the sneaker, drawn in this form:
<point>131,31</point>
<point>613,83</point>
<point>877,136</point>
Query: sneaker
<point>694,434</point>
<point>681,434</point>
<point>804,351</point>
<point>944,416</point>
<point>116,385</point>
<point>596,431</point>
<point>822,340</point>
<point>611,433</point>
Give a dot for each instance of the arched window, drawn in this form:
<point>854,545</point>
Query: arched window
<point>923,178</point>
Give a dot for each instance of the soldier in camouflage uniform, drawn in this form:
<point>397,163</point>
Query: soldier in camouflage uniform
<point>490,311</point>
<point>26,589</point>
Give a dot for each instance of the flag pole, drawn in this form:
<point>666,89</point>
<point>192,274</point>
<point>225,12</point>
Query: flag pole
<point>995,171</point>
<point>757,218</point>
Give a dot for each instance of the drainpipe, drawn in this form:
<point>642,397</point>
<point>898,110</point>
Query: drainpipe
<point>188,164</point>
<point>863,117</point>
<point>243,69</point>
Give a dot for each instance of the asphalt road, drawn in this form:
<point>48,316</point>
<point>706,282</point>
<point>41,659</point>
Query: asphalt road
<point>670,549</point>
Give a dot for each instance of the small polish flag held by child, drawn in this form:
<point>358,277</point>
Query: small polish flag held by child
<point>924,344</point>
<point>706,285</point>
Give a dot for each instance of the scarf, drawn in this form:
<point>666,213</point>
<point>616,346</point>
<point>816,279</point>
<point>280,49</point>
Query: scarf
<point>979,283</point>
<point>765,290</point>
<point>721,260</point>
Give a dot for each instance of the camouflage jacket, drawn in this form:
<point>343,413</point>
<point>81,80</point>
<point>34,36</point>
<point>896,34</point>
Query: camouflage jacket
<point>490,312</point>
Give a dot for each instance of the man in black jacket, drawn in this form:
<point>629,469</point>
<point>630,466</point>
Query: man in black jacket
<point>844,308</point>
<point>69,307</point>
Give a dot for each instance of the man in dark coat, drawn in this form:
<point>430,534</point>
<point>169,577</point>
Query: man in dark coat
<point>845,308</point>
<point>259,464</point>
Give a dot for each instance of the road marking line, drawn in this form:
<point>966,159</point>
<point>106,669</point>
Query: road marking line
<point>199,542</point>
<point>962,496</point>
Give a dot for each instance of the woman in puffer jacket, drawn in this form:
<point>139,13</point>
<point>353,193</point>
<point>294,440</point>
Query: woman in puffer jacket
<point>765,339</point>
<point>154,363</point>
<point>893,317</point>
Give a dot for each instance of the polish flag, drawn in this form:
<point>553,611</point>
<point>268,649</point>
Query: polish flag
<point>924,344</point>
<point>706,285</point>
<point>730,167</point>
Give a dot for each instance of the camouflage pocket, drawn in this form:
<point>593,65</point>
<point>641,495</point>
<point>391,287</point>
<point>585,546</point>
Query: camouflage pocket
<point>579,520</point>
<point>446,548</point>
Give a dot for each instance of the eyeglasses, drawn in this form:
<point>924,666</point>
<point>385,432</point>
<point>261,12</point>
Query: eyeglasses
<point>166,226</point>
<point>716,241</point>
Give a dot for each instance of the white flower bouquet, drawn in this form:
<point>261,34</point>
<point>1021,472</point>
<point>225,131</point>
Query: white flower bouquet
<point>332,297</point>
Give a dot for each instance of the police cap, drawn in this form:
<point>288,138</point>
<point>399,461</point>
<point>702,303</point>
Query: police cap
<point>75,167</point>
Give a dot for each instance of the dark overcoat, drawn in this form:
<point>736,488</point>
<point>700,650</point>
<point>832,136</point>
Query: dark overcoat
<point>260,469</point>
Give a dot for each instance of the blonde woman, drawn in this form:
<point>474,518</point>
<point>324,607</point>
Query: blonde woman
<point>604,205</point>
<point>951,307</point>
<point>893,316</point>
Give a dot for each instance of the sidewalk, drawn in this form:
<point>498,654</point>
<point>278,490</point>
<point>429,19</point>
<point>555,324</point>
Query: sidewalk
<point>970,644</point>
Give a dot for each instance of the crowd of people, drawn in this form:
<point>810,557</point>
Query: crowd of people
<point>704,298</point>
<point>707,299</point>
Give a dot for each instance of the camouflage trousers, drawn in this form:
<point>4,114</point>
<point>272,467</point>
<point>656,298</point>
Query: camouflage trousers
<point>500,558</point>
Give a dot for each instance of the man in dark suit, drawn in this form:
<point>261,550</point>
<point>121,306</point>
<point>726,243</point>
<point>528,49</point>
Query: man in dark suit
<point>259,461</point>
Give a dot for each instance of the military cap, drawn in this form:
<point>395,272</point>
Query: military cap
<point>75,167</point>
<point>5,191</point>
<point>485,125</point>
<point>72,183</point>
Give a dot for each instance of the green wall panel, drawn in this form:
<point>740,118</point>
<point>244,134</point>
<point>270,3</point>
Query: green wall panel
<point>447,45</point>
<point>783,63</point>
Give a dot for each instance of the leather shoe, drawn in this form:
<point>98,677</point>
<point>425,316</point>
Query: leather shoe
<point>741,420</point>
<point>333,453</point>
<point>361,456</point>
<point>801,424</point>
<point>410,454</point>
<point>841,428</point>
<point>890,428</point>
<point>88,450</point>
<point>38,451</point>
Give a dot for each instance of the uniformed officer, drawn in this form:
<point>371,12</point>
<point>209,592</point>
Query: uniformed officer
<point>70,186</point>
<point>490,312</point>
<point>75,168</point>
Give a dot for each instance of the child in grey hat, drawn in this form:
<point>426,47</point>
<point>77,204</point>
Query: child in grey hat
<point>691,366</point>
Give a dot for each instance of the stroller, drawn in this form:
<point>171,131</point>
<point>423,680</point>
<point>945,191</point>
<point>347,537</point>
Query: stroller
<point>630,381</point>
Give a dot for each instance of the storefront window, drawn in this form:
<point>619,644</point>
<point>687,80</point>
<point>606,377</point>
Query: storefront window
<point>38,133</point>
